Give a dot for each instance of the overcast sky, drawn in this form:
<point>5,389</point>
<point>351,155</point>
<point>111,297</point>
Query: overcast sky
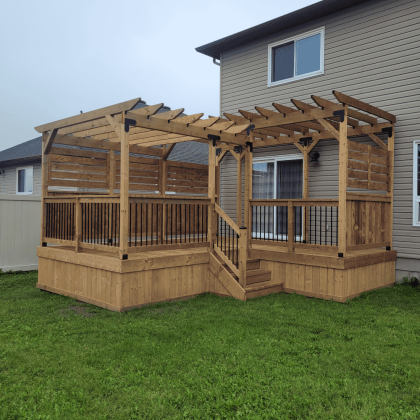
<point>60,57</point>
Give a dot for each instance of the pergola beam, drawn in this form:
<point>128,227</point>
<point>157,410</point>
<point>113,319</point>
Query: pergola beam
<point>89,116</point>
<point>363,106</point>
<point>186,129</point>
<point>296,117</point>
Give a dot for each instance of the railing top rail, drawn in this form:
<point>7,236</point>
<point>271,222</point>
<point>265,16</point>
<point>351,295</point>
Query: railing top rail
<point>170,200</point>
<point>227,219</point>
<point>295,202</point>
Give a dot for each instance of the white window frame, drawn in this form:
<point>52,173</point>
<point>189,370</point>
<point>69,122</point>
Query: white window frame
<point>17,180</point>
<point>416,198</point>
<point>296,38</point>
<point>276,159</point>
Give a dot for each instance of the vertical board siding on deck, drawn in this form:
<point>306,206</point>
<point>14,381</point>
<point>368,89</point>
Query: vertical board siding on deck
<point>372,52</point>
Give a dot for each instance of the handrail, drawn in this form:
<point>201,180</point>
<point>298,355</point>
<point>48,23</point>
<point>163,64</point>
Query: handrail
<point>227,252</point>
<point>295,202</point>
<point>230,222</point>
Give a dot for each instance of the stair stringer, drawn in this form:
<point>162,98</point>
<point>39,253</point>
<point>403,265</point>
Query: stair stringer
<point>226,279</point>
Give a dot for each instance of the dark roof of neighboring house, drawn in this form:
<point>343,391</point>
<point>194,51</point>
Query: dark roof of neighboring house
<point>29,150</point>
<point>298,17</point>
<point>191,151</point>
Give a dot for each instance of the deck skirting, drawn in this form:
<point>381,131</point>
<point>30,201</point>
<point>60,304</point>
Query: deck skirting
<point>120,285</point>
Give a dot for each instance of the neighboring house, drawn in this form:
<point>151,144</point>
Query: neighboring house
<point>20,168</point>
<point>366,49</point>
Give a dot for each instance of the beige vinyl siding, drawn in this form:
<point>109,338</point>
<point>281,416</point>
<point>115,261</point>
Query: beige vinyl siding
<point>8,179</point>
<point>20,231</point>
<point>372,52</point>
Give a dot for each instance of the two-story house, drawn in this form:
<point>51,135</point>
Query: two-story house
<point>366,49</point>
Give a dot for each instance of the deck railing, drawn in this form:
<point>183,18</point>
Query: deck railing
<point>167,223</point>
<point>295,223</point>
<point>312,224</point>
<point>154,223</point>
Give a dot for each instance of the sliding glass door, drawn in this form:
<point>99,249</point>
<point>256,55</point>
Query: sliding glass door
<point>276,178</point>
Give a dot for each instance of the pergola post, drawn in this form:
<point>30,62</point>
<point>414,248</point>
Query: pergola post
<point>212,224</point>
<point>124,190</point>
<point>342,185</point>
<point>44,187</point>
<point>305,192</point>
<point>390,214</point>
<point>248,191</point>
<point>239,191</point>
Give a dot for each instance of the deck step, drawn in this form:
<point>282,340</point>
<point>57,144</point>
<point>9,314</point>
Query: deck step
<point>257,276</point>
<point>252,264</point>
<point>263,289</point>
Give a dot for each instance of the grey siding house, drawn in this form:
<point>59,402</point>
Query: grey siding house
<point>366,49</point>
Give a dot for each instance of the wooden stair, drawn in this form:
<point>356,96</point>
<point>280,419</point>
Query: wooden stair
<point>259,282</point>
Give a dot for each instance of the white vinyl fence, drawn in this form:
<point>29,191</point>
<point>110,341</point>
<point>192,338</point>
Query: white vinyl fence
<point>20,230</point>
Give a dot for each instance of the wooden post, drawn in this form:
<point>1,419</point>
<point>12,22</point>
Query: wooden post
<point>248,192</point>
<point>212,194</point>
<point>217,182</point>
<point>248,187</point>
<point>342,186</point>
<point>111,172</point>
<point>391,183</point>
<point>44,186</point>
<point>291,226</point>
<point>78,224</point>
<point>242,255</point>
<point>305,215</point>
<point>124,192</point>
<point>239,192</point>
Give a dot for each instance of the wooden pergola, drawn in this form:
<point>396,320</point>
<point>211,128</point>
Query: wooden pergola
<point>131,132</point>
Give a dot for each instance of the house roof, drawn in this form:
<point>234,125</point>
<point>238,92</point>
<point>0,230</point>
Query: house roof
<point>29,150</point>
<point>298,17</point>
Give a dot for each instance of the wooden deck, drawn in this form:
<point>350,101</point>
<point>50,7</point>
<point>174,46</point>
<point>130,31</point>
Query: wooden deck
<point>102,279</point>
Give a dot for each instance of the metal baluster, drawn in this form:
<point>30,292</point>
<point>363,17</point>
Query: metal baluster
<point>310,224</point>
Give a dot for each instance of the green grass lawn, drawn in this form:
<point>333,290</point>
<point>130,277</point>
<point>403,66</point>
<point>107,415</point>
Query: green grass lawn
<point>277,357</point>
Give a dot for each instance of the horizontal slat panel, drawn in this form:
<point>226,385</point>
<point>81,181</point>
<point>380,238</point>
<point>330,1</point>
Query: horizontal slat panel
<point>135,159</point>
<point>77,160</point>
<point>361,166</point>
<point>191,171</point>
<point>77,184</point>
<point>379,177</point>
<point>187,183</point>
<point>367,185</point>
<point>78,175</point>
<point>138,166</point>
<point>77,168</point>
<point>173,164</point>
<point>357,174</point>
<point>140,180</point>
<point>78,152</point>
<point>380,169</point>
<point>201,178</point>
<point>188,190</point>
<point>140,187</point>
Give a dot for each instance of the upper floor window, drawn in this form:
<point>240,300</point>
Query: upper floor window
<point>296,58</point>
<point>416,184</point>
<point>24,180</point>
